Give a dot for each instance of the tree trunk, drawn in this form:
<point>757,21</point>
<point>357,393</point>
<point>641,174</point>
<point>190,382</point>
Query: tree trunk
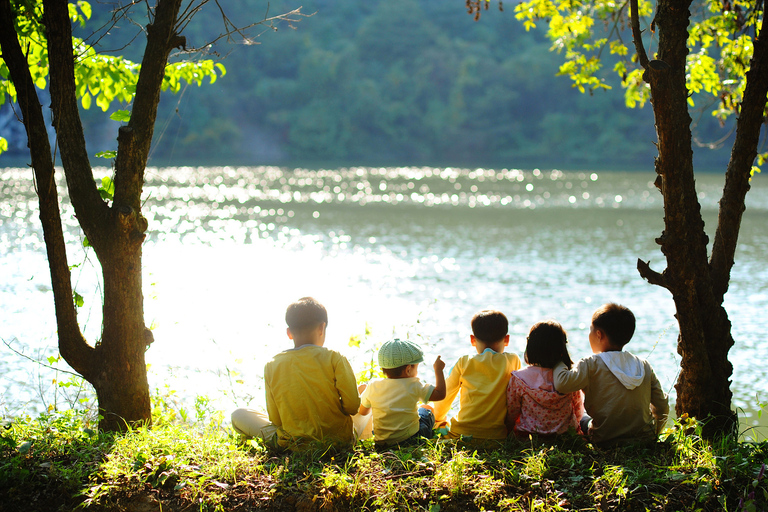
<point>115,366</point>
<point>697,285</point>
<point>71,343</point>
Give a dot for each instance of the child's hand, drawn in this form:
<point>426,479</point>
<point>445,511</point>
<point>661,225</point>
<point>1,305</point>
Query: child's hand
<point>439,392</point>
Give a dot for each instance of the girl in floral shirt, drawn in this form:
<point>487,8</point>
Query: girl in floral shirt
<point>533,405</point>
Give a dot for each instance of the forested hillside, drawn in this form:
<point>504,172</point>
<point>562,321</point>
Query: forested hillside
<point>389,82</point>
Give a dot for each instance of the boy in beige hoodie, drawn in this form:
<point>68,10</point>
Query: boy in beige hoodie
<point>623,398</point>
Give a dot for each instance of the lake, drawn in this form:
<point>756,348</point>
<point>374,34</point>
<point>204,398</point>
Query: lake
<point>402,252</point>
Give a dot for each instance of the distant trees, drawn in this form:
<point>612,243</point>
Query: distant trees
<point>708,52</point>
<point>388,82</point>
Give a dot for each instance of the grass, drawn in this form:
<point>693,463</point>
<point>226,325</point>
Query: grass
<point>58,462</point>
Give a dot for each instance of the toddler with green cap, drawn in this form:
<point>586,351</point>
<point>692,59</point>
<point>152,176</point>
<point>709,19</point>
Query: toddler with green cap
<point>394,400</point>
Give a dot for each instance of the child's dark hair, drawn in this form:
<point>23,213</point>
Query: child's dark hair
<point>616,321</point>
<point>305,313</point>
<point>393,373</point>
<point>547,345</point>
<point>490,326</point>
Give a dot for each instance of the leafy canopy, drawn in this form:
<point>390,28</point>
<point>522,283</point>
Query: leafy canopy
<point>99,78</point>
<point>720,43</point>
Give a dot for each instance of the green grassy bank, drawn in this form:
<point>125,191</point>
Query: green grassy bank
<point>59,462</point>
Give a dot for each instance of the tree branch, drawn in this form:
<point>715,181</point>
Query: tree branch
<point>230,29</point>
<point>90,208</point>
<point>739,169</point>
<point>650,275</point>
<point>637,34</point>
<point>131,161</point>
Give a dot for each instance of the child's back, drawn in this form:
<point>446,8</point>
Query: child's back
<point>481,379</point>
<point>533,404</point>
<point>623,398</point>
<point>395,399</point>
<point>311,393</point>
<point>621,394</point>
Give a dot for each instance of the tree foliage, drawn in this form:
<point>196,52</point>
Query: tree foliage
<point>100,78</point>
<point>720,44</point>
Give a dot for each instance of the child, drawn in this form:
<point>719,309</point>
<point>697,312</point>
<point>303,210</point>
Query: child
<point>622,396</point>
<point>311,390</point>
<point>481,380</point>
<point>533,405</point>
<point>394,400</point>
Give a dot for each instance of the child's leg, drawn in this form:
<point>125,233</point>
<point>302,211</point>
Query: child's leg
<point>426,422</point>
<point>584,423</point>
<point>363,425</point>
<point>252,423</point>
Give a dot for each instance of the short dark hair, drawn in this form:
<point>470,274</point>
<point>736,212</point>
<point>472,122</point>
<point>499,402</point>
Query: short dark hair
<point>305,313</point>
<point>490,326</point>
<point>616,321</point>
<point>546,345</point>
<point>394,373</point>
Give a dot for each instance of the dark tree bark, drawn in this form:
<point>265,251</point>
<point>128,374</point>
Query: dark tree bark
<point>697,285</point>
<point>115,366</point>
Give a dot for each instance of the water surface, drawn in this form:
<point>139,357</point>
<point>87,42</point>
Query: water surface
<point>407,251</point>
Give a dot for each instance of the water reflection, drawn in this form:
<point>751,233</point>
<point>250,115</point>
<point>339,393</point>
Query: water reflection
<point>410,251</point>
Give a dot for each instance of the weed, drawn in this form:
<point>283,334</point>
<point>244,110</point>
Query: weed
<point>455,474</point>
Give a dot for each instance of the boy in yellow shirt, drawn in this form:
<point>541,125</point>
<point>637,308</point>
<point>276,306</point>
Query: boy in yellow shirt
<point>481,380</point>
<point>311,390</point>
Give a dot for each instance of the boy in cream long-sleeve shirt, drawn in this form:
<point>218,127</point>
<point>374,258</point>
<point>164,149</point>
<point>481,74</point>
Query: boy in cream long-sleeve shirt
<point>623,398</point>
<point>481,381</point>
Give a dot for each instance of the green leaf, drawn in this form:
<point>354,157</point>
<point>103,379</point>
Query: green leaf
<point>122,116</point>
<point>107,188</point>
<point>78,299</point>
<point>86,243</point>
<point>85,7</point>
<point>106,154</point>
<point>3,145</point>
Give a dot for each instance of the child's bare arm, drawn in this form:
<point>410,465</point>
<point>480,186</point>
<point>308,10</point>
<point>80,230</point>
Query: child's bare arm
<point>362,409</point>
<point>439,391</point>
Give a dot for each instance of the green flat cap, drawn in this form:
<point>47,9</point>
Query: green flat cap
<point>396,353</point>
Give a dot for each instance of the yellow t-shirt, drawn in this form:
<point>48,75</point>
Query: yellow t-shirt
<point>394,403</point>
<point>311,395</point>
<point>482,380</point>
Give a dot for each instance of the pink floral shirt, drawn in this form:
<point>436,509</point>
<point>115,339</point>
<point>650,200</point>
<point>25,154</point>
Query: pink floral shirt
<point>533,405</point>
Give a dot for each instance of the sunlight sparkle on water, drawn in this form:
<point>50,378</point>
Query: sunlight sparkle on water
<point>409,251</point>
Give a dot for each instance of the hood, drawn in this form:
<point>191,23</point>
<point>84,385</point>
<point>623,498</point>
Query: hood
<point>536,377</point>
<point>539,388</point>
<point>626,367</point>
